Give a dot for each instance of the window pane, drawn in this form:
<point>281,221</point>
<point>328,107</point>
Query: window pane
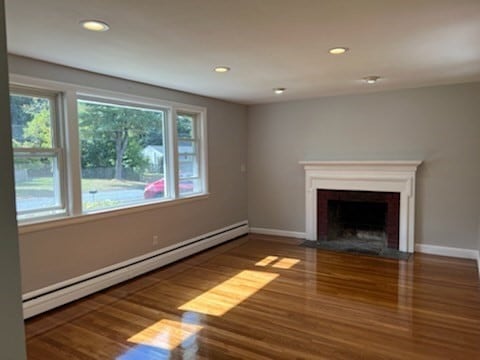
<point>185,128</point>
<point>186,147</point>
<point>188,166</point>
<point>31,121</point>
<point>123,154</point>
<point>37,183</point>
<point>188,157</point>
<point>189,186</point>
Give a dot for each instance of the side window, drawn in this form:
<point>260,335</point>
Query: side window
<point>189,156</point>
<point>38,154</point>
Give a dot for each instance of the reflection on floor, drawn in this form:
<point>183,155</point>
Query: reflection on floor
<point>265,297</point>
<point>358,246</point>
<point>166,334</point>
<point>229,293</point>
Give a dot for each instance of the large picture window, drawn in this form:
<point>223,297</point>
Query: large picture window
<point>76,154</point>
<point>123,154</point>
<point>37,153</point>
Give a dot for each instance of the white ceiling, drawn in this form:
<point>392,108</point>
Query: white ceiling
<point>267,43</point>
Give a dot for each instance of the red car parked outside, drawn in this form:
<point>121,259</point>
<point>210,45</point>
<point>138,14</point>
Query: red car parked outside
<point>157,188</point>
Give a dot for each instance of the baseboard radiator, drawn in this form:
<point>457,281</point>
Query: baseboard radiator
<point>55,295</point>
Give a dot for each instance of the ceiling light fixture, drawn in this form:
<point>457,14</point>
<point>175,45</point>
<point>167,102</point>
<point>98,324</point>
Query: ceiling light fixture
<point>222,69</point>
<point>339,50</point>
<point>279,91</point>
<point>372,79</point>
<point>94,25</point>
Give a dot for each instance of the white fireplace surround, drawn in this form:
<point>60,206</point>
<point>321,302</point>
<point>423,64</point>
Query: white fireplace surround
<point>386,176</point>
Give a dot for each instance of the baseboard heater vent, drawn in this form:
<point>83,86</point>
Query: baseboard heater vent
<point>52,296</point>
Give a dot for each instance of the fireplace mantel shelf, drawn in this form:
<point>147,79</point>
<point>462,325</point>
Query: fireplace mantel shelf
<point>378,175</point>
<point>361,162</point>
<point>352,164</point>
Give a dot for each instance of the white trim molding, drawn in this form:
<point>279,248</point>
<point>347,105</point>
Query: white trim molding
<point>447,251</point>
<point>276,232</point>
<point>58,294</point>
<point>478,262</point>
<point>385,176</point>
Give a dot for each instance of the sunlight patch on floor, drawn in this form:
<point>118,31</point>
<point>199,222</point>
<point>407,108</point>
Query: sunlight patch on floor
<point>267,260</point>
<point>225,296</point>
<point>285,263</point>
<point>166,334</point>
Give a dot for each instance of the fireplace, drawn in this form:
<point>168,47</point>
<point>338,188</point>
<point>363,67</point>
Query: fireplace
<point>366,219</point>
<point>361,177</point>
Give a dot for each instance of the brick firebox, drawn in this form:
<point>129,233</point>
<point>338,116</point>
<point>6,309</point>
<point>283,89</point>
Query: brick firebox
<point>392,199</point>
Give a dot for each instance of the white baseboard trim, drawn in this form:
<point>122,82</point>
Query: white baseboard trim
<point>447,251</point>
<point>264,231</point>
<point>52,296</point>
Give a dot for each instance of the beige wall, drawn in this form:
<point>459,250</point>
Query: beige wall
<point>58,254</point>
<point>12,341</point>
<point>439,125</point>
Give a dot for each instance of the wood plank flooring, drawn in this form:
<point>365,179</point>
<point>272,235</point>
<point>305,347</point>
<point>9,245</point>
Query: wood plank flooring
<point>265,297</point>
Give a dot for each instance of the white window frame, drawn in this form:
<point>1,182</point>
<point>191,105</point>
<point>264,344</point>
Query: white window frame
<point>199,135</point>
<point>166,124</point>
<point>55,152</point>
<point>71,158</point>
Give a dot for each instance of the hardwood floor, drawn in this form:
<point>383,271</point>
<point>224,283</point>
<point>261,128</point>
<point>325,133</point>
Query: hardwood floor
<point>264,297</point>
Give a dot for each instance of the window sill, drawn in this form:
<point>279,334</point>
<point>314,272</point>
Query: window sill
<point>51,223</point>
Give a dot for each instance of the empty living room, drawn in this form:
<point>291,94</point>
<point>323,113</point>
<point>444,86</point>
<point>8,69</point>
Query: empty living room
<point>255,179</point>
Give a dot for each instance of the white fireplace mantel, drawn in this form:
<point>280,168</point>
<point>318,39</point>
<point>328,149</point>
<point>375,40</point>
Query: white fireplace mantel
<point>388,176</point>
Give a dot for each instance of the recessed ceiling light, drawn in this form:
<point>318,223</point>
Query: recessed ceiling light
<point>279,91</point>
<point>338,50</point>
<point>372,79</point>
<point>94,25</point>
<point>222,69</point>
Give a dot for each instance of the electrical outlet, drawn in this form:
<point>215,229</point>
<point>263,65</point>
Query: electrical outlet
<point>155,240</point>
